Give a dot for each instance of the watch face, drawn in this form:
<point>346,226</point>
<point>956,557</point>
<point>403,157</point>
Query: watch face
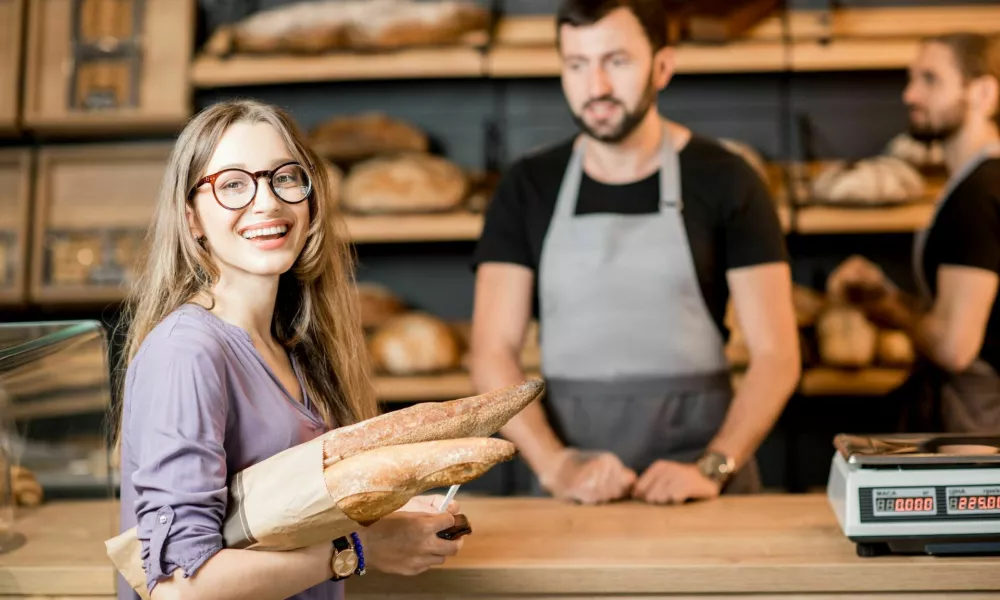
<point>345,563</point>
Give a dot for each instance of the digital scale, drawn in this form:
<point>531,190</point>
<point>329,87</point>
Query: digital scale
<point>917,493</point>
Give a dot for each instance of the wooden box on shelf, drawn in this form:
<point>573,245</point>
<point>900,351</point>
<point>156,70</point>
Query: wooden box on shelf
<point>15,187</point>
<point>93,205</point>
<point>11,19</point>
<point>100,66</point>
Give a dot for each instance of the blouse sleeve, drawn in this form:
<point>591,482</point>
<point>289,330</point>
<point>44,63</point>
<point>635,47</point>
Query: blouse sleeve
<point>178,412</point>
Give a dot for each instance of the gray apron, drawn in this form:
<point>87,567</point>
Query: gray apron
<point>633,361</point>
<point>967,402</point>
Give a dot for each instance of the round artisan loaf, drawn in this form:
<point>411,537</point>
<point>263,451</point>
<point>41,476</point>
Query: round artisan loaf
<point>895,348</point>
<point>414,343</point>
<point>404,183</point>
<point>874,180</point>
<point>846,338</point>
<point>378,304</point>
<point>347,139</point>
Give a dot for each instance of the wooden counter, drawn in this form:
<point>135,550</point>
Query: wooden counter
<point>786,546</point>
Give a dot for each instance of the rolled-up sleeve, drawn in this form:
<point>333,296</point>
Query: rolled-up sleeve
<point>178,412</point>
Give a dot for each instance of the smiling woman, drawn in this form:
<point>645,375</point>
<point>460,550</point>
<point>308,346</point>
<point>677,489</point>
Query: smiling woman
<point>244,340</point>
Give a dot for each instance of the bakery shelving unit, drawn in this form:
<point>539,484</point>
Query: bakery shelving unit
<point>92,205</point>
<point>123,69</point>
<point>15,190</point>
<point>11,50</point>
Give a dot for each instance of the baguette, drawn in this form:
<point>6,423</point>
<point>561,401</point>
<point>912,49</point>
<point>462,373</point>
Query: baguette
<point>369,486</point>
<point>474,416</point>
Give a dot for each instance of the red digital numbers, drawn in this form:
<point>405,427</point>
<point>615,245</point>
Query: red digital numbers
<point>977,503</point>
<point>913,504</point>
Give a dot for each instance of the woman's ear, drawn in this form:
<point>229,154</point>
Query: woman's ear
<point>192,218</point>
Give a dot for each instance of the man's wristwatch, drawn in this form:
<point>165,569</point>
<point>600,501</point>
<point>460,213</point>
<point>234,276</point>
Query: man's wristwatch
<point>347,558</point>
<point>716,466</point>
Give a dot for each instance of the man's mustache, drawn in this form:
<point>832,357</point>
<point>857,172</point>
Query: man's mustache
<point>603,99</point>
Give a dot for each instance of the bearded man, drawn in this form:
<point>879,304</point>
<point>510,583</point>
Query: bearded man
<point>953,96</point>
<point>627,242</point>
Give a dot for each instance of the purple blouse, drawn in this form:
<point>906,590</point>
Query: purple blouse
<point>200,404</point>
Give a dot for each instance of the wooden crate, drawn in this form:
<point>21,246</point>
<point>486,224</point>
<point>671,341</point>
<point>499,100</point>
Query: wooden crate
<point>126,73</point>
<point>92,207</point>
<point>11,21</point>
<point>15,190</point>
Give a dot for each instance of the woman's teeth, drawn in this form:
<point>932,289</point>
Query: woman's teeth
<point>266,231</point>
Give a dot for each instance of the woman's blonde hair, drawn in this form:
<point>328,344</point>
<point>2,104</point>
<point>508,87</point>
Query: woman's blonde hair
<point>316,316</point>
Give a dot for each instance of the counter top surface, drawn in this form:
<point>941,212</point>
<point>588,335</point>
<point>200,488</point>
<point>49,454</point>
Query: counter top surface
<point>765,544</point>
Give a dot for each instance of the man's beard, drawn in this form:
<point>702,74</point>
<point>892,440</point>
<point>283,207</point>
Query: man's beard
<point>629,122</point>
<point>952,121</point>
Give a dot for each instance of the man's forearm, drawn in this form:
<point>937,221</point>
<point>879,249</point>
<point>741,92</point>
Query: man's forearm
<point>756,406</point>
<point>529,430</point>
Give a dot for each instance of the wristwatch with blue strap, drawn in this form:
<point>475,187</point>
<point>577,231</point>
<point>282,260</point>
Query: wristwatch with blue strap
<point>348,558</point>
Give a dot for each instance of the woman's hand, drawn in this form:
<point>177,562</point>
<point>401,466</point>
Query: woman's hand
<point>406,543</point>
<point>430,504</point>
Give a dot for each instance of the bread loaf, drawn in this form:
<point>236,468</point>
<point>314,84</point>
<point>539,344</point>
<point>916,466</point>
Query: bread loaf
<point>378,304</point>
<point>808,305</point>
<point>919,154</point>
<point>354,138</point>
<point>27,490</point>
<point>315,27</point>
<point>481,415</point>
<point>404,183</point>
<point>371,485</point>
<point>415,343</point>
<point>846,338</point>
<point>874,180</point>
<point>895,348</point>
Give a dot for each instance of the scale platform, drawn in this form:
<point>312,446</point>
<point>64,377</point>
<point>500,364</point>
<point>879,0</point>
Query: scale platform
<point>936,494</point>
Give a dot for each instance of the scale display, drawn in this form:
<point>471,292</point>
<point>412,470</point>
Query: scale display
<point>890,502</point>
<point>935,502</point>
<point>973,500</point>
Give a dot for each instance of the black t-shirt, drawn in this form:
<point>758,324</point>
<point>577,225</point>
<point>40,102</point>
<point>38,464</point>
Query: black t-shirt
<point>728,213</point>
<point>967,233</point>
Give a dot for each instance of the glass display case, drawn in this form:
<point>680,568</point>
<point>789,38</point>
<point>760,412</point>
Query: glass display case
<point>55,392</point>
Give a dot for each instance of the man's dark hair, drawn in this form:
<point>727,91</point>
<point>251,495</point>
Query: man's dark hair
<point>651,14</point>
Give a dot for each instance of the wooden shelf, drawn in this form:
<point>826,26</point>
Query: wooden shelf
<point>446,227</point>
<point>820,381</point>
<point>900,219</point>
<point>417,63</point>
<point>11,50</point>
<point>846,39</point>
<point>824,381</point>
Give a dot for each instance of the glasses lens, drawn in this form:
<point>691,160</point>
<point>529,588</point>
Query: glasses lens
<point>291,183</point>
<point>234,188</point>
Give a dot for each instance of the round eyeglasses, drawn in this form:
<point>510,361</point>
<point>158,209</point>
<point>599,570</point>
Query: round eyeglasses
<point>235,188</point>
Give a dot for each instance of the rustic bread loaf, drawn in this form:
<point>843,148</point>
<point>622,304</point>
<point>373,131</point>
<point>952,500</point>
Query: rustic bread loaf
<point>25,487</point>
<point>919,154</point>
<point>404,183</point>
<point>319,26</point>
<point>895,348</point>
<point>874,180</point>
<point>414,343</point>
<point>808,305</point>
<point>369,486</point>
<point>846,338</point>
<point>474,416</point>
<point>348,139</point>
<point>378,304</point>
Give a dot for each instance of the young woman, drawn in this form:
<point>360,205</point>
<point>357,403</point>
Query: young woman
<point>244,339</point>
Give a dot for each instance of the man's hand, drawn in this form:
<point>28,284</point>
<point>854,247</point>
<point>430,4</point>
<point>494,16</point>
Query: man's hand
<point>668,482</point>
<point>857,279</point>
<point>588,477</point>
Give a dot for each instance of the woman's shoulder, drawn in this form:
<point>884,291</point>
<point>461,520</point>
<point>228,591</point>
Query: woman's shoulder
<point>186,336</point>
